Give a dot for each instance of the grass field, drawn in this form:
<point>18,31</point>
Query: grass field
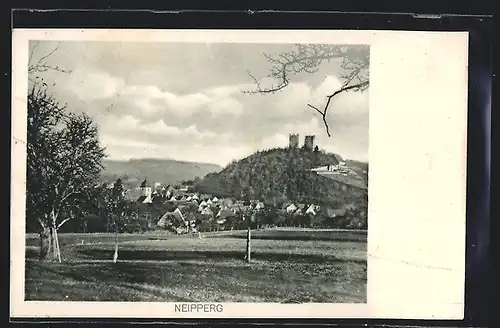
<point>287,266</point>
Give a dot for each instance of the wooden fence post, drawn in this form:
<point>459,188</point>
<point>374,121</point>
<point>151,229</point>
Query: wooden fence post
<point>249,238</point>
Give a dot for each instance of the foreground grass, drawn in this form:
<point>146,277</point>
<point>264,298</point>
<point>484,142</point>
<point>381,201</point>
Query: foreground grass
<point>209,269</point>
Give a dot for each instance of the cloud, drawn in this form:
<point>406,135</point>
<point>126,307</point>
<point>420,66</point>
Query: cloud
<point>185,101</point>
<point>132,125</point>
<point>229,106</point>
<point>91,85</point>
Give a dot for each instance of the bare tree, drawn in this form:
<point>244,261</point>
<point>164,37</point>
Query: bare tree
<point>308,58</point>
<point>42,64</point>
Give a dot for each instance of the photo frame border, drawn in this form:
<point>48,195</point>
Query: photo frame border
<point>480,30</point>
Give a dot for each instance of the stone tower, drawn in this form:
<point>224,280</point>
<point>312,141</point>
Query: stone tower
<point>309,142</point>
<point>293,141</point>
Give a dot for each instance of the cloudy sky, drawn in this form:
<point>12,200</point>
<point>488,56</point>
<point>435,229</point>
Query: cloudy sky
<point>185,100</point>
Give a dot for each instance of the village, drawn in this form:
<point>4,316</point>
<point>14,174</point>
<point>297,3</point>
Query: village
<point>189,209</point>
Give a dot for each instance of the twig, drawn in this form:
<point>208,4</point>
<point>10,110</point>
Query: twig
<point>324,112</point>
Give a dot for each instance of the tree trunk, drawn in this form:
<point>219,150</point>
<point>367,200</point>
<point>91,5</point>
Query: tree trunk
<point>249,238</point>
<point>53,252</point>
<point>51,244</point>
<point>54,245</point>
<point>44,244</point>
<point>58,250</point>
<point>49,253</point>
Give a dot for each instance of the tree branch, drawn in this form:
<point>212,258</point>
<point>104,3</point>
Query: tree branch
<point>32,53</point>
<point>63,222</point>
<point>42,64</point>
<point>41,223</point>
<point>67,196</point>
<point>324,112</point>
<point>323,116</point>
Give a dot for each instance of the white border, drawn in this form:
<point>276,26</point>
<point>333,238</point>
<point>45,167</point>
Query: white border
<point>416,239</point>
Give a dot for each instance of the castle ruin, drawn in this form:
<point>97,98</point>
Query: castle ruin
<point>293,140</point>
<point>309,142</point>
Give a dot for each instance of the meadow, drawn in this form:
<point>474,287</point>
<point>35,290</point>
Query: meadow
<point>288,265</point>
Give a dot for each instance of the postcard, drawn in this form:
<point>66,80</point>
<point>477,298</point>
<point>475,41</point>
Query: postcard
<point>238,173</point>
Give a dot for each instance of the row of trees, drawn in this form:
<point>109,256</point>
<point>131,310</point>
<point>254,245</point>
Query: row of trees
<point>111,213</point>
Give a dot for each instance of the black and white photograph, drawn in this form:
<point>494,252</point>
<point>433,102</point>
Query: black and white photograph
<point>238,174</point>
<point>197,172</point>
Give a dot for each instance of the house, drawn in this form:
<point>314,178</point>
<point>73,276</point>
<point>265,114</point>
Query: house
<point>322,168</point>
<point>240,208</point>
<point>168,191</point>
<point>174,218</point>
<point>203,204</point>
<point>209,202</point>
<point>207,211</point>
<point>225,213</point>
<point>311,209</point>
<point>181,230</point>
<point>145,199</point>
<point>215,200</point>
<point>187,207</point>
<point>291,208</point>
<point>259,206</point>
<point>300,208</point>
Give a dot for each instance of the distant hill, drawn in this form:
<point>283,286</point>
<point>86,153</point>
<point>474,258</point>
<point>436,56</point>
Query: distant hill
<point>281,174</point>
<point>166,171</point>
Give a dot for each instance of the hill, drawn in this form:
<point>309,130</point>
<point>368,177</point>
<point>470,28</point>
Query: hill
<point>166,171</point>
<point>281,174</point>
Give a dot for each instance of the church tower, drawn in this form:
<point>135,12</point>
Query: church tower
<point>146,188</point>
